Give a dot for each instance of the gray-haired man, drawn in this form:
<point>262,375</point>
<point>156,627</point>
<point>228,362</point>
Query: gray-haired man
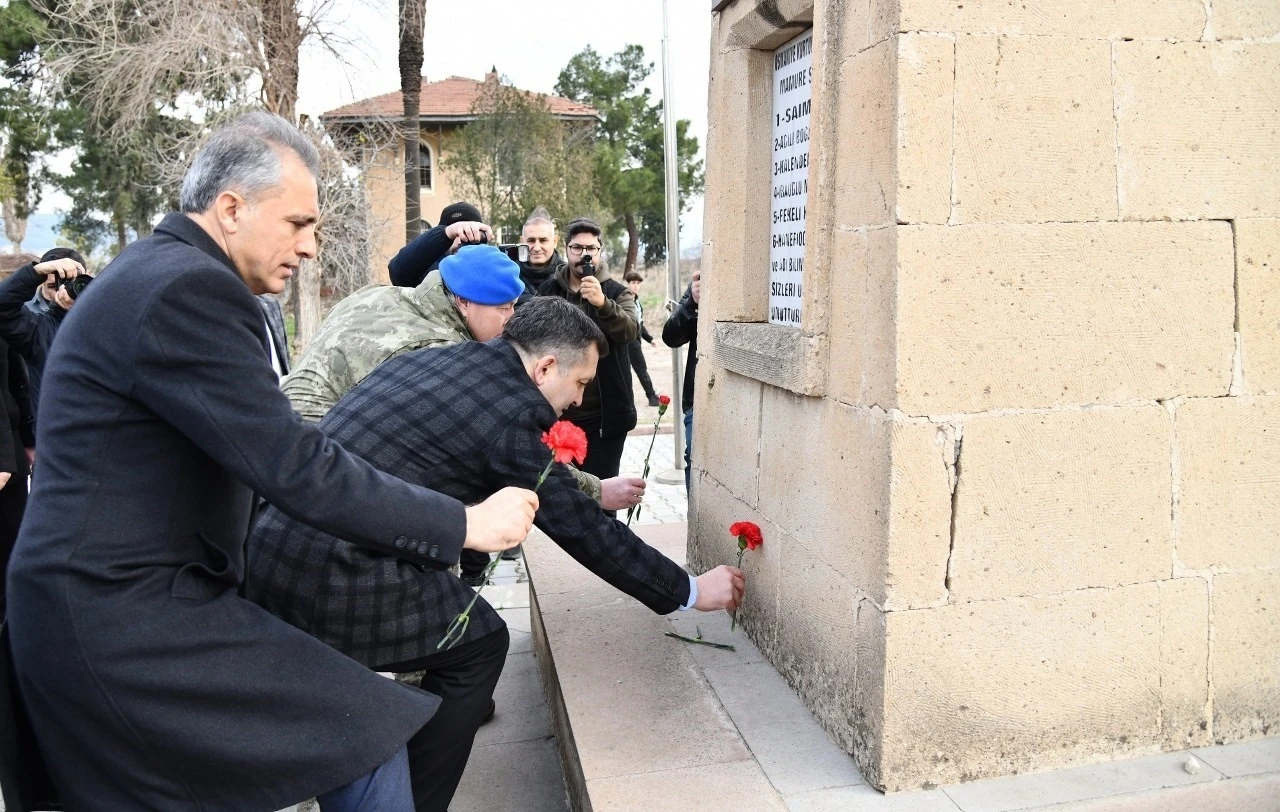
<point>150,683</point>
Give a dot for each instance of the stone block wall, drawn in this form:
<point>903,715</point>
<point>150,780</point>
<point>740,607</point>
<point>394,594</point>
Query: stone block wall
<point>1019,469</point>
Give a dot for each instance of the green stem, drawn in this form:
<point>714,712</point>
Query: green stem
<point>696,641</point>
<point>733,624</point>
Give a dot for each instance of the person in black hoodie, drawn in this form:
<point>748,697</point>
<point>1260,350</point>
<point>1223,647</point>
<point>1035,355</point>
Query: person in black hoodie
<point>460,224</point>
<point>539,234</point>
<point>682,328</point>
<point>608,409</point>
<point>28,330</point>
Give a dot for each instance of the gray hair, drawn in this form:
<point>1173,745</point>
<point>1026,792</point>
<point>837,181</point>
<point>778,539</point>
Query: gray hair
<point>244,156</point>
<point>540,215</point>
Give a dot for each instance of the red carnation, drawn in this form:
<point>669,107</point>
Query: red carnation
<point>749,538</point>
<point>566,441</point>
<point>748,533</point>
<point>664,400</point>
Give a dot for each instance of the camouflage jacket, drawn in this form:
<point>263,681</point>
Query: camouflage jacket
<point>367,328</point>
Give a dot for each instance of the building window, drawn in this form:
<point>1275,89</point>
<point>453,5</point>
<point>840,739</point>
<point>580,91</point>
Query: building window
<point>425,160</point>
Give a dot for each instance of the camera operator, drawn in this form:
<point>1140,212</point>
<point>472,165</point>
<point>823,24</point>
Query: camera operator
<point>608,410</point>
<point>460,224</point>
<point>59,277</point>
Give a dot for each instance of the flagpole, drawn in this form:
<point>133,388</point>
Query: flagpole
<point>671,161</point>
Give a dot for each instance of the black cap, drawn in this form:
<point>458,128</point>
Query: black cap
<point>460,213</point>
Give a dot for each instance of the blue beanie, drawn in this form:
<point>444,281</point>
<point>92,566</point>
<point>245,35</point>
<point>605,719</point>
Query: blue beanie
<point>482,274</point>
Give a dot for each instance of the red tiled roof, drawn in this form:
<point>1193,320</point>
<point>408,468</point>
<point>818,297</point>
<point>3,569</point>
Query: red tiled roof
<point>447,99</point>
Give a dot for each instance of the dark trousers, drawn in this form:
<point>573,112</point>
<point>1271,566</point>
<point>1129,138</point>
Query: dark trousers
<point>464,678</point>
<point>13,503</point>
<point>636,353</point>
<point>604,454</point>
<point>473,562</point>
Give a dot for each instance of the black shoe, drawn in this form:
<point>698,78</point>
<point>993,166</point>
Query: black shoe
<point>513,554</point>
<point>473,580</point>
<point>653,400</point>
<point>488,715</point>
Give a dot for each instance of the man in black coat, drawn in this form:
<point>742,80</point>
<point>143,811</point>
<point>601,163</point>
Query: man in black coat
<point>150,683</point>
<point>681,328</point>
<point>465,420</point>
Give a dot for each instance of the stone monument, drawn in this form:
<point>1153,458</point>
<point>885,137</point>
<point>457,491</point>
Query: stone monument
<point>991,339</point>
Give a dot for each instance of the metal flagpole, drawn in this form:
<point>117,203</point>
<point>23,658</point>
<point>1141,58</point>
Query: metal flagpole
<point>671,160</point>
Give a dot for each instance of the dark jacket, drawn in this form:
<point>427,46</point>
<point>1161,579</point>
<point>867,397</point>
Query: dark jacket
<point>26,329</point>
<point>610,399</point>
<point>534,277</point>
<point>466,421</point>
<point>420,257</point>
<point>150,682</point>
<point>681,328</point>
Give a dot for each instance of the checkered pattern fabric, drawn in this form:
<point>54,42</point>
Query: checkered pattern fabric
<point>465,421</point>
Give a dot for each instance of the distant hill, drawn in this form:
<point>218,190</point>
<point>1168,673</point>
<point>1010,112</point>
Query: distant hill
<point>42,234</point>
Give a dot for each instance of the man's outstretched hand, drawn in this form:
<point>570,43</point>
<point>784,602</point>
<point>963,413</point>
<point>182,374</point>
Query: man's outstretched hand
<point>720,588</point>
<point>501,521</point>
<point>621,492</point>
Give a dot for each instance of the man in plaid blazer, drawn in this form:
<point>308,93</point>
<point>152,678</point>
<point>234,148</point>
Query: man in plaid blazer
<point>465,421</point>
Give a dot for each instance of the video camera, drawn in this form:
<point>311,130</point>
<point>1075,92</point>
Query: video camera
<point>517,252</point>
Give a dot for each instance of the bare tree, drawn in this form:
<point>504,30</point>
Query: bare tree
<point>15,227</point>
<point>203,59</point>
<point>413,20</point>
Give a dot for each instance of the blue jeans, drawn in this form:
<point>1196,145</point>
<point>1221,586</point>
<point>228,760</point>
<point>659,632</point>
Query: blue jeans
<point>386,789</point>
<point>688,446</point>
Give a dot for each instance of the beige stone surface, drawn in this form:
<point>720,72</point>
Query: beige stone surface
<point>1199,129</point>
<point>866,23</point>
<point>1160,19</point>
<point>726,787</point>
<point>728,431</point>
<point>1229,504</point>
<point>1245,19</point>
<point>1184,654</point>
<point>1258,291</point>
<point>926,91</point>
<point>1035,137</point>
<point>993,316</point>
<point>1258,793</point>
<point>920,516</point>
<point>711,545</point>
<point>828,468</point>
<point>819,622</point>
<point>1245,664</point>
<point>861,366</point>
<point>990,688</point>
<point>739,140</point>
<point>1065,500</point>
<point>866,168</point>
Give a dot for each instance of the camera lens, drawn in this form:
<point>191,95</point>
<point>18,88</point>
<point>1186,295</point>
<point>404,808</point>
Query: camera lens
<point>76,285</point>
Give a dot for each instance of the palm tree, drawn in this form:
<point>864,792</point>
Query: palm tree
<point>413,15</point>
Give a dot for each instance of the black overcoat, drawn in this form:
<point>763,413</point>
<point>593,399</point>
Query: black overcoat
<point>150,682</point>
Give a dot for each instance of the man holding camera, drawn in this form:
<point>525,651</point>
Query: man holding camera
<point>59,277</point>
<point>460,224</point>
<point>608,410</point>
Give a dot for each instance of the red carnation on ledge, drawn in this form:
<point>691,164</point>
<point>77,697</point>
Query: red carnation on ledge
<point>749,538</point>
<point>567,442</point>
<point>663,402</point>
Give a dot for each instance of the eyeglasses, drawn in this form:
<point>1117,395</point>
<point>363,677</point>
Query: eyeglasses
<point>584,249</point>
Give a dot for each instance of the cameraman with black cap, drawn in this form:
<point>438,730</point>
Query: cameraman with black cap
<point>460,224</point>
<point>62,275</point>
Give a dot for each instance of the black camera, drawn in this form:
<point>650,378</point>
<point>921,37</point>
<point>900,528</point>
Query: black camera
<point>586,267</point>
<point>517,252</point>
<point>75,285</point>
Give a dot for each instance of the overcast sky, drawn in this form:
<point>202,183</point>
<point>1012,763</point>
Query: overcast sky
<point>529,41</point>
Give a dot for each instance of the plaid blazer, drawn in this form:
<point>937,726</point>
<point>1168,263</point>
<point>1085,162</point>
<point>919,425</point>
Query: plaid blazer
<point>465,421</point>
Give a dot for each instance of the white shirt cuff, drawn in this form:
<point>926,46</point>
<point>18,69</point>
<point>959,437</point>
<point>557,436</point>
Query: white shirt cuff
<point>693,594</point>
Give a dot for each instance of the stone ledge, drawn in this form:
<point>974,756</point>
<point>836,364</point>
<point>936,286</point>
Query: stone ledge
<point>648,723</point>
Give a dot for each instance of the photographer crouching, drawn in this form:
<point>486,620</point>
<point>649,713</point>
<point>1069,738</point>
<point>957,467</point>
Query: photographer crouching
<point>59,278</point>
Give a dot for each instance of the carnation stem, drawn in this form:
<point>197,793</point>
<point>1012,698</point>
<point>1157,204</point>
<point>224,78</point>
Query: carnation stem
<point>701,642</point>
<point>733,624</point>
